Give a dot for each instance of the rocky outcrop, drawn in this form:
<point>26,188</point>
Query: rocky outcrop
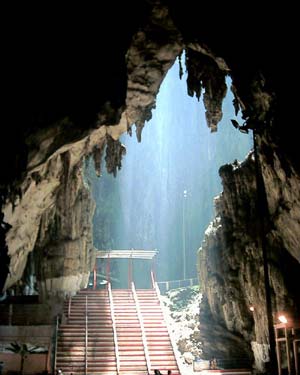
<point>51,212</point>
<point>181,307</point>
<point>231,263</point>
<point>64,246</point>
<point>48,189</point>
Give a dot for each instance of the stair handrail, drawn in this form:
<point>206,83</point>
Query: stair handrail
<point>153,280</point>
<point>112,313</point>
<point>86,335</point>
<point>171,335</point>
<point>69,305</point>
<point>141,320</point>
<point>56,339</point>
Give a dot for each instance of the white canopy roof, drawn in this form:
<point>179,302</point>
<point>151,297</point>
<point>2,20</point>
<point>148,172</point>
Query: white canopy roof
<point>126,254</point>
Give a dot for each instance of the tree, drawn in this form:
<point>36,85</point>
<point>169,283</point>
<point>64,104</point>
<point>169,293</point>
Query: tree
<point>23,350</point>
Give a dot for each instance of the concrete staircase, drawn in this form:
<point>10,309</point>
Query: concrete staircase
<point>129,334</point>
<point>158,341</point>
<point>75,349</point>
<point>111,332</point>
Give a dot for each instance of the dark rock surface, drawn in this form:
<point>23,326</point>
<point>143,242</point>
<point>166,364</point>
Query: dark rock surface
<point>231,264</point>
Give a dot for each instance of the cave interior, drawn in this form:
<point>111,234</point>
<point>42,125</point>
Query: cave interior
<point>75,80</point>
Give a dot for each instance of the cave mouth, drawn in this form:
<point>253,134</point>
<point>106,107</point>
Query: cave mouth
<point>162,198</point>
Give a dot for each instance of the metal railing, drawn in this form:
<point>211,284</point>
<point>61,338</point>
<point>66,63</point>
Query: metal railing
<point>55,345</point>
<point>69,305</point>
<point>233,363</point>
<point>140,317</point>
<point>86,335</point>
<point>172,338</point>
<point>174,284</point>
<point>112,312</point>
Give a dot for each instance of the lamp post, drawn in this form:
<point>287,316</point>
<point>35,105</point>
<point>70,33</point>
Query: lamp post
<point>183,234</point>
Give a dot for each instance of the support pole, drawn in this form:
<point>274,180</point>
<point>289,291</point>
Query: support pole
<point>86,336</point>
<point>108,269</point>
<point>130,267</point>
<point>95,276</point>
<point>183,235</point>
<point>152,266</point>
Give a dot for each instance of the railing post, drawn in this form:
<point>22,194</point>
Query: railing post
<point>69,305</point>
<point>86,335</point>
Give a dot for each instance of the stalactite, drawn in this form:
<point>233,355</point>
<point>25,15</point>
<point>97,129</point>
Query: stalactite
<point>204,73</point>
<point>180,66</point>
<point>97,156</point>
<point>114,153</point>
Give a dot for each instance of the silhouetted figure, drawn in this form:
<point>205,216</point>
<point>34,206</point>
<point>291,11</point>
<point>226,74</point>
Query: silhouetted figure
<point>157,372</point>
<point>169,372</point>
<point>213,364</point>
<point>4,257</point>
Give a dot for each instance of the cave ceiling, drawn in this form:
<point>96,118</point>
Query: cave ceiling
<point>82,77</point>
<point>70,65</point>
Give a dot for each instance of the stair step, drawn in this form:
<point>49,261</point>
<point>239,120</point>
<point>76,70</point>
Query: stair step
<point>91,359</point>
<point>66,353</point>
<point>71,351</point>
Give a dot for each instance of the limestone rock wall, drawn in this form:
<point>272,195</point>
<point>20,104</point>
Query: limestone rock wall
<point>48,207</point>
<point>64,246</point>
<point>49,192</point>
<point>231,267</point>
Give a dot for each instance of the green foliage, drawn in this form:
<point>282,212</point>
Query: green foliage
<point>181,297</point>
<point>23,350</point>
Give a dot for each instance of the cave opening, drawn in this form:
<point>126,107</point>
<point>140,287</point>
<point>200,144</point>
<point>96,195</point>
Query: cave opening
<point>162,198</point>
<point>63,119</point>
